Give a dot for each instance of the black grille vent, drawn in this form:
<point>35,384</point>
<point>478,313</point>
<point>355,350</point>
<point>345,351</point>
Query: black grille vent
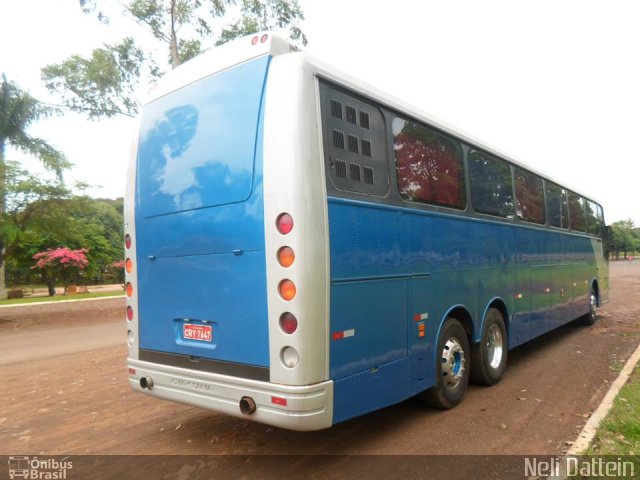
<point>366,148</point>
<point>364,120</point>
<point>336,108</point>
<point>351,114</point>
<point>355,172</point>
<point>338,139</point>
<point>341,169</point>
<point>368,175</point>
<point>353,144</point>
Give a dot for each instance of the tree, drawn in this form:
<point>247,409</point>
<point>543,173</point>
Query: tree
<point>625,239</point>
<point>18,110</point>
<point>104,84</point>
<point>60,265</point>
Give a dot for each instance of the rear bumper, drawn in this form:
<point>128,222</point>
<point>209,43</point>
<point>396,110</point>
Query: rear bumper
<point>308,407</point>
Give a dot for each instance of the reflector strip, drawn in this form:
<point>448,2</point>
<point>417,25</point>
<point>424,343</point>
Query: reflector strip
<point>343,334</point>
<point>279,401</point>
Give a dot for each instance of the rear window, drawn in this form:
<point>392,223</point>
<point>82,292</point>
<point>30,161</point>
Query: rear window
<point>429,166</point>
<point>197,144</point>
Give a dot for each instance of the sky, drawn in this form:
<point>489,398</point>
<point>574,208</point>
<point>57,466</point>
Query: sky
<point>553,84</point>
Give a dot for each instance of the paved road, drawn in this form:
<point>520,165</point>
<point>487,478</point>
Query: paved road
<point>77,401</point>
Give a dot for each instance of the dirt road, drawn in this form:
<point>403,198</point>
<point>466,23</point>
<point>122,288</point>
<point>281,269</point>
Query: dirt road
<point>74,400</point>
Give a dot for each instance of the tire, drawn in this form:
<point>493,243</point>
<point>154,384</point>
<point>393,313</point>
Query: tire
<point>451,369</point>
<point>489,355</point>
<point>591,317</point>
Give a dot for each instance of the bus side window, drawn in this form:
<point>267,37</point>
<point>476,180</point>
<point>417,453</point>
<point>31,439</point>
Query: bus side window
<point>429,165</point>
<point>576,212</point>
<point>491,186</point>
<point>529,197</point>
<point>557,209</point>
<point>592,218</point>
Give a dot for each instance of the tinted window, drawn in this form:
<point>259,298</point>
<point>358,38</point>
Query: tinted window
<point>593,225</point>
<point>355,143</point>
<point>491,187</point>
<point>529,197</point>
<point>429,165</point>
<point>557,208</point>
<point>576,213</point>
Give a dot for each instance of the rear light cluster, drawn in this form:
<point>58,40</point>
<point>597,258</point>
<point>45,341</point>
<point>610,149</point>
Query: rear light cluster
<point>128,268</point>
<point>262,39</point>
<point>287,291</point>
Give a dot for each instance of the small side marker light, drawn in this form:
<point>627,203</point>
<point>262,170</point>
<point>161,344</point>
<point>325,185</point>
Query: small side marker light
<point>279,401</point>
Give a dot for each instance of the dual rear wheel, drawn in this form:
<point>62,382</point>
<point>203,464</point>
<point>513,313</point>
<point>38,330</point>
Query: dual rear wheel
<point>458,361</point>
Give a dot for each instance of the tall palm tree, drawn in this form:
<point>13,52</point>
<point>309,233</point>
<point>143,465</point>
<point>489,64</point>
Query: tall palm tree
<point>18,110</point>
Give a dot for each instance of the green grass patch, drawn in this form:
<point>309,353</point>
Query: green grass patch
<point>619,433</point>
<point>58,298</point>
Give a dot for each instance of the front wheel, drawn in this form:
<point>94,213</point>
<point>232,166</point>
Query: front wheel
<point>452,367</point>
<point>591,317</point>
<point>489,355</point>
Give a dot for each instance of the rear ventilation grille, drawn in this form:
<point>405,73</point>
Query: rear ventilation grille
<point>341,169</point>
<point>364,120</point>
<point>366,148</point>
<point>353,144</point>
<point>368,175</point>
<point>355,172</point>
<point>336,109</point>
<point>338,139</point>
<point>351,114</point>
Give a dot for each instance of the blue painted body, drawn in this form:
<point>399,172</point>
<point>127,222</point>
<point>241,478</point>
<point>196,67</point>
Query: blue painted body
<point>199,218</point>
<point>389,264</point>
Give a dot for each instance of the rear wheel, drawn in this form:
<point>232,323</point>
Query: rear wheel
<point>591,317</point>
<point>452,367</point>
<point>489,355</point>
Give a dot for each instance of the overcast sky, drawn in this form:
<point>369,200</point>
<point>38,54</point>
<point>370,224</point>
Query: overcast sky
<point>554,84</point>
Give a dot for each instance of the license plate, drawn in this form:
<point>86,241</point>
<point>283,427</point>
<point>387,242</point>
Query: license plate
<point>201,333</point>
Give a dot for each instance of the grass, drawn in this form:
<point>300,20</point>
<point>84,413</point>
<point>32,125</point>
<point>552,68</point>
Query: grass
<point>619,433</point>
<point>58,298</point>
<point>618,436</point>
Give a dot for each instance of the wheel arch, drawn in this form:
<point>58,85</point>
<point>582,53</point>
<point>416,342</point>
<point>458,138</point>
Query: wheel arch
<point>499,304</point>
<point>461,313</point>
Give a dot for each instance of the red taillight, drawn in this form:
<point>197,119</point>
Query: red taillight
<point>129,290</point>
<point>128,265</point>
<point>287,289</point>
<point>254,40</point>
<point>127,241</point>
<point>288,323</point>
<point>129,313</point>
<point>264,38</point>
<point>286,256</point>
<point>284,223</point>
<point>132,371</point>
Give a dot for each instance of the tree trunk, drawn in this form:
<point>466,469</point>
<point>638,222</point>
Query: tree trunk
<point>52,287</point>
<point>175,58</point>
<point>3,180</point>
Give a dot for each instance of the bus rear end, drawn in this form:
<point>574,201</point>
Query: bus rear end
<point>216,308</point>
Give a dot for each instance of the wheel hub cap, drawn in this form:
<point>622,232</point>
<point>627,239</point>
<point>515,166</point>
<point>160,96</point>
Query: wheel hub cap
<point>453,361</point>
<point>494,346</point>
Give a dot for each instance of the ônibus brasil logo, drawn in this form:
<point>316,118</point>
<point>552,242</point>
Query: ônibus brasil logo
<point>34,468</point>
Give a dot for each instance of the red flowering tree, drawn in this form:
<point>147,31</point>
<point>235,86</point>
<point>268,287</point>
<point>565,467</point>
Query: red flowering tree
<point>60,265</point>
<point>116,271</point>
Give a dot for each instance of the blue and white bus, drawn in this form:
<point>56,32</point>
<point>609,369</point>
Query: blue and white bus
<point>302,248</point>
